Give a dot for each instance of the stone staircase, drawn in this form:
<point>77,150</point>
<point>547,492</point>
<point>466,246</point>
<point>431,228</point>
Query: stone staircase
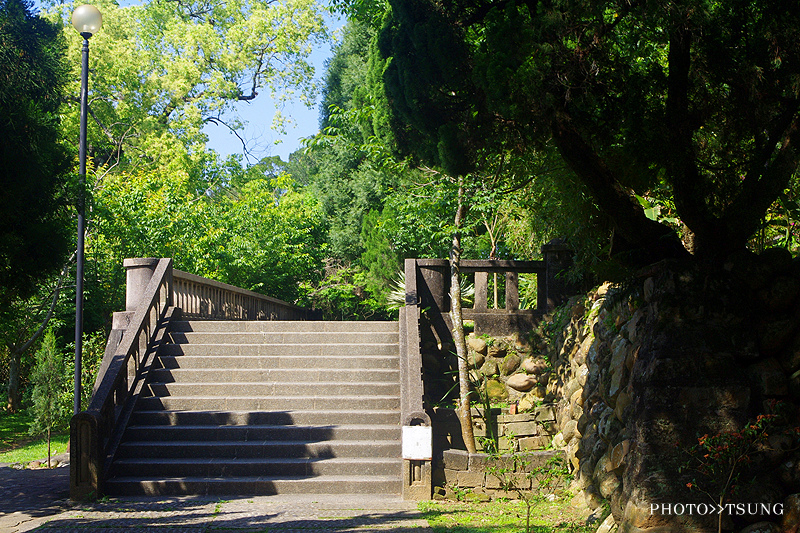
<point>266,408</point>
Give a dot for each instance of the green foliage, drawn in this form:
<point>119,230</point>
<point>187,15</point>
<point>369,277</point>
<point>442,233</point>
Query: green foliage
<point>379,259</point>
<point>532,484</point>
<point>342,295</point>
<point>34,450</point>
<point>717,463</point>
<point>14,427</point>
<point>94,345</point>
<point>264,236</point>
<point>161,71</point>
<point>48,388</point>
<point>34,163</point>
<point>503,516</point>
<point>632,96</point>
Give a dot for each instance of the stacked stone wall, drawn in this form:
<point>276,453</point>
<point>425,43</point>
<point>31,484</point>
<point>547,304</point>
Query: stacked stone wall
<point>645,369</point>
<point>640,371</point>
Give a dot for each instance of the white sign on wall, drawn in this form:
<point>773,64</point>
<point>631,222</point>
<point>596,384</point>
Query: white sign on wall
<point>417,443</point>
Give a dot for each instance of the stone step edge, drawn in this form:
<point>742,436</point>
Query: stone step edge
<point>257,460</point>
<point>293,344</point>
<point>304,412</point>
<point>298,398</point>
<point>288,384</point>
<point>264,426</point>
<point>234,479</point>
<point>221,443</point>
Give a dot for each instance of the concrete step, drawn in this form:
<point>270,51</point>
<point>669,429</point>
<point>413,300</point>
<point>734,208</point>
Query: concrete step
<point>282,326</point>
<point>249,449</point>
<point>255,485</point>
<point>275,375</point>
<point>313,353</point>
<point>267,408</point>
<point>286,467</point>
<point>264,403</point>
<point>287,389</point>
<point>328,339</point>
<point>260,433</point>
<point>246,418</point>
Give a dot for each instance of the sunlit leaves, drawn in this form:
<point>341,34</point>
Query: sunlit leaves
<point>162,69</point>
<point>264,237</point>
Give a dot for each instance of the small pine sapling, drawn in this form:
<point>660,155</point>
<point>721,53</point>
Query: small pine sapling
<point>47,378</point>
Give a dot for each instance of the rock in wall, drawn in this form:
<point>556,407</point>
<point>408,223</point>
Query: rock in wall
<point>643,370</point>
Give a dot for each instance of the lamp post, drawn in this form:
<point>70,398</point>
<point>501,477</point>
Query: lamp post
<point>86,20</point>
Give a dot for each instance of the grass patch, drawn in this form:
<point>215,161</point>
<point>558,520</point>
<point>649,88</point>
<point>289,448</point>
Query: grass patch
<point>13,429</point>
<point>35,450</point>
<point>503,517</point>
<point>16,444</point>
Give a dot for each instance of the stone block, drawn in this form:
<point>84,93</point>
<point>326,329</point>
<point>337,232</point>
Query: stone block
<point>470,478</point>
<point>478,461</point>
<point>450,476</point>
<point>510,480</point>
<point>522,429</point>
<point>549,427</point>
<point>545,412</point>
<point>520,417</point>
<point>455,459</point>
<point>534,443</point>
<point>537,459</point>
<point>791,512</point>
<point>477,344</point>
<point>478,497</point>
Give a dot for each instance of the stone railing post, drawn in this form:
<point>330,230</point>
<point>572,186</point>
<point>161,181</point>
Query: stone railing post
<point>557,259</point>
<point>138,273</point>
<point>417,431</point>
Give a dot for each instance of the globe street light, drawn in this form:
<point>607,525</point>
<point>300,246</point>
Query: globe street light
<point>86,20</point>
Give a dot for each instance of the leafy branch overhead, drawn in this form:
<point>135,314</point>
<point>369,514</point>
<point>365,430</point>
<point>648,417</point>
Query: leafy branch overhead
<point>697,100</point>
<point>161,70</point>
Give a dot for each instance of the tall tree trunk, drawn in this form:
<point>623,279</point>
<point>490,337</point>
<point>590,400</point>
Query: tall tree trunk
<point>14,399</point>
<point>14,403</point>
<point>464,410</point>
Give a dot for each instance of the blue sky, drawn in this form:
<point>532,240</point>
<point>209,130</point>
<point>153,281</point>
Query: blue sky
<point>262,140</point>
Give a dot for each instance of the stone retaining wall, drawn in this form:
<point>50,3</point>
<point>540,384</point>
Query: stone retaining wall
<point>642,370</point>
<point>638,374</point>
<point>533,430</point>
<point>481,477</point>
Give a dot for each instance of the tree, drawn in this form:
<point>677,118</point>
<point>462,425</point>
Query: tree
<point>48,385</point>
<point>263,236</point>
<point>34,163</point>
<point>162,70</point>
<point>694,100</point>
<point>35,228</point>
<point>343,175</point>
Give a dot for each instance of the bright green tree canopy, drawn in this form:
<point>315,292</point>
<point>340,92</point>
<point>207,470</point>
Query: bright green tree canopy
<point>163,69</point>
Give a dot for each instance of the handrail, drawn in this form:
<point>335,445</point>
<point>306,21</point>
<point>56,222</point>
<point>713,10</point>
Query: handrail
<point>427,287</point>
<point>201,298</point>
<point>432,287</point>
<point>92,432</point>
<point>155,293</point>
